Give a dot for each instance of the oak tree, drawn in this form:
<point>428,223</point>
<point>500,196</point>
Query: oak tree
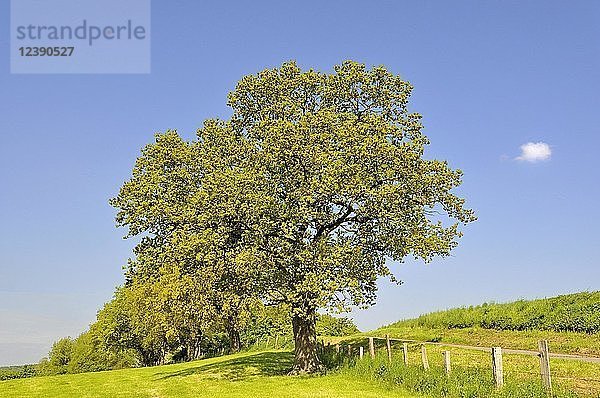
<point>302,197</point>
<point>329,182</point>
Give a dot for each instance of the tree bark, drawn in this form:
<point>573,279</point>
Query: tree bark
<point>234,339</point>
<point>306,359</point>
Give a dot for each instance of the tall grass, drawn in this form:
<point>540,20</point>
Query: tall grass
<point>579,312</point>
<point>462,382</point>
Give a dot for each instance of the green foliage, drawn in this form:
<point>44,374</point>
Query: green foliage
<point>328,325</point>
<point>187,274</point>
<point>139,327</point>
<point>275,321</point>
<point>338,181</point>
<point>578,312</point>
<point>58,358</point>
<point>115,333</point>
<point>168,316</point>
<point>17,372</point>
<point>91,354</point>
<point>87,353</point>
<point>267,322</point>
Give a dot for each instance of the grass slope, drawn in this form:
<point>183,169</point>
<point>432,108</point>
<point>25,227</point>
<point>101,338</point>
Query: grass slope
<point>578,312</point>
<point>571,324</point>
<point>518,325</point>
<point>247,375</point>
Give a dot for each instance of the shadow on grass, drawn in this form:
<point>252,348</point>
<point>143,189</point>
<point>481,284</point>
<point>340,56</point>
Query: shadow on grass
<point>237,369</point>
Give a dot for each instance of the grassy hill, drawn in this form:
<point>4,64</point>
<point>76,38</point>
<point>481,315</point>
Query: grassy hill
<point>578,312</point>
<point>570,323</point>
<point>247,375</point>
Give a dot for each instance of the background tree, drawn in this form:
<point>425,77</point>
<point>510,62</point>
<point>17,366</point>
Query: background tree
<point>328,325</point>
<point>118,329</point>
<point>268,322</point>
<point>58,358</point>
<point>184,239</point>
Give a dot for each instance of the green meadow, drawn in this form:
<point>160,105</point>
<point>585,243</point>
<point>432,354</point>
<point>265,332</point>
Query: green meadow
<point>263,372</point>
<point>245,375</point>
<point>570,324</point>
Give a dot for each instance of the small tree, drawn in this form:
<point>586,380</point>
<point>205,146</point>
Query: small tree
<point>58,359</point>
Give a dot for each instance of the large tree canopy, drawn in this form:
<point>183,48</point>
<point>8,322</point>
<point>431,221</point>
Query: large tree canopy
<point>302,197</point>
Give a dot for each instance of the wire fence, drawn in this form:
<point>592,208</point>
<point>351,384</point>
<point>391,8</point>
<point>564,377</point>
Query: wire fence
<point>584,376</point>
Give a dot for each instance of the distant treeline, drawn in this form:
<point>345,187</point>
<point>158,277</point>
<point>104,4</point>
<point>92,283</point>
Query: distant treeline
<point>113,343</point>
<point>579,312</point>
<point>17,372</point>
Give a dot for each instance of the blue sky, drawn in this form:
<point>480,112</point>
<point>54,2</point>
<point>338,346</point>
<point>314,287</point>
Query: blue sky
<point>489,77</point>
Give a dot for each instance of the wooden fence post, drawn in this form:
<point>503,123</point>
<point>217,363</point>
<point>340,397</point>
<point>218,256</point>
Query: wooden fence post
<point>405,352</point>
<point>337,349</point>
<point>545,365</point>
<point>497,366</point>
<point>349,350</point>
<point>388,346</point>
<point>446,355</point>
<point>276,341</point>
<point>268,338</point>
<point>424,357</point>
<point>361,352</point>
<point>371,347</point>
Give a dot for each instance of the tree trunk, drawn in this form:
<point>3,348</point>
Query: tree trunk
<point>234,338</point>
<point>306,359</point>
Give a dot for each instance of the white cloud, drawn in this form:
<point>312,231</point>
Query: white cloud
<point>534,152</point>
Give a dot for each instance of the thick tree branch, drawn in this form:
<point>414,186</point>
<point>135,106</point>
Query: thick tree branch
<point>327,228</point>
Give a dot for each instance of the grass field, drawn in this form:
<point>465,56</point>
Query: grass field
<point>247,375</point>
<point>259,374</point>
<point>580,377</point>
<point>262,373</point>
